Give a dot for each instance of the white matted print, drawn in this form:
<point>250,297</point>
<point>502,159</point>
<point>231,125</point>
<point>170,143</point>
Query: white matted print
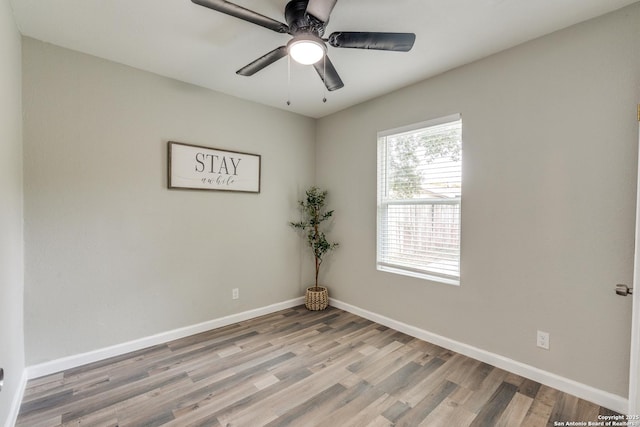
<point>203,168</point>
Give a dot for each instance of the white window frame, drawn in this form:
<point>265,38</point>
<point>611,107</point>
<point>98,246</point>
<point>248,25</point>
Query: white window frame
<point>383,205</point>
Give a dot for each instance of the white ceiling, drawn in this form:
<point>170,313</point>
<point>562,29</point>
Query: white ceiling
<point>184,41</point>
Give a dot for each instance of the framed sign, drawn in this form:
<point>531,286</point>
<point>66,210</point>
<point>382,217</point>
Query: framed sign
<point>203,168</point>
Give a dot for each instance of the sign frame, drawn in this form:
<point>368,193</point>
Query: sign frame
<point>196,167</point>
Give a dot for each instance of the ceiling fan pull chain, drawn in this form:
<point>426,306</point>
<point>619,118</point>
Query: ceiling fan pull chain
<point>324,65</point>
<point>288,80</point>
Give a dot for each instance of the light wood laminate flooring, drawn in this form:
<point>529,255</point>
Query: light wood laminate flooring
<point>296,368</point>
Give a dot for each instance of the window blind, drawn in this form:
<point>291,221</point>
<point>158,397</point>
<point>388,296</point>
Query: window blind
<point>419,197</point>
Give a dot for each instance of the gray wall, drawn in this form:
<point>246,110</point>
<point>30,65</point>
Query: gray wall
<point>549,188</point>
<point>111,254</point>
<point>11,212</point>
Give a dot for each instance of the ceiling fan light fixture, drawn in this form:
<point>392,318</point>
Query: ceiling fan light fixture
<point>306,49</point>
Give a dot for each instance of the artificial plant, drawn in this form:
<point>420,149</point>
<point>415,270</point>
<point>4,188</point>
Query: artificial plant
<point>314,214</point>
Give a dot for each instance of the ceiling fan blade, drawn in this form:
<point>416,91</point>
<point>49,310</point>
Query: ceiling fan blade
<point>263,61</point>
<point>331,80</point>
<point>399,42</point>
<point>240,12</point>
<point>321,9</point>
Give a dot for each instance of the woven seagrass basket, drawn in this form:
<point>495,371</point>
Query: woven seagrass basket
<point>316,298</point>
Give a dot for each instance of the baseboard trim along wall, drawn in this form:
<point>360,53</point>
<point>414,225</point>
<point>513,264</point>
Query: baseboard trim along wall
<point>583,391</point>
<point>47,368</point>
<point>599,397</point>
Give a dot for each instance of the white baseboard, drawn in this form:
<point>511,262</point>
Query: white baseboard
<point>583,391</point>
<point>47,368</point>
<point>14,409</point>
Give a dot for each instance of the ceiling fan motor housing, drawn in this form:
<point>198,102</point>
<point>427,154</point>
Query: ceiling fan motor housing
<point>299,21</point>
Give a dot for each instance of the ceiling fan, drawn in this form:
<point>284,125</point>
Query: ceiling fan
<point>306,22</point>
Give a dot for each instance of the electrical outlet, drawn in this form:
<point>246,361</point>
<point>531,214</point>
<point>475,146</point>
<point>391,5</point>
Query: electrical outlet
<point>543,340</point>
<point>235,293</point>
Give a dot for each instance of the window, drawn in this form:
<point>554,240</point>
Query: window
<point>419,195</point>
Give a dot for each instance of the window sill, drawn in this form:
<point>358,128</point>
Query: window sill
<point>423,276</point>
